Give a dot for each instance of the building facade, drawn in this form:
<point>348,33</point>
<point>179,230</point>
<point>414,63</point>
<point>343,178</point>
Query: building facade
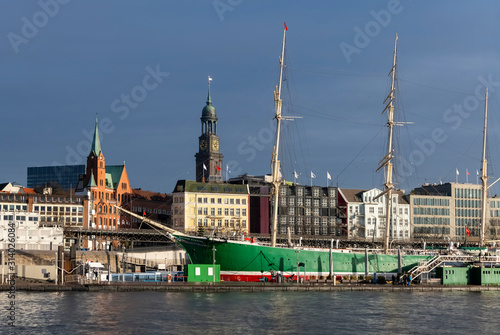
<point>210,208</point>
<point>366,214</point>
<point>208,158</point>
<point>29,234</point>
<point>260,189</point>
<point>306,210</point>
<point>449,211</point>
<point>153,205</point>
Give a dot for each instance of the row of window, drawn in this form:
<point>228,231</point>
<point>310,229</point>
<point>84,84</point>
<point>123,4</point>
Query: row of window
<point>431,211</point>
<point>227,211</point>
<point>307,230</point>
<point>401,234</point>
<point>40,199</point>
<point>468,203</point>
<point>432,230</point>
<point>431,220</point>
<point>283,220</point>
<point>467,222</point>
<point>56,219</point>
<point>468,193</point>
<point>20,218</point>
<point>299,191</point>
<point>14,207</point>
<point>461,231</point>
<point>227,223</point>
<point>150,210</point>
<point>468,212</point>
<point>325,202</point>
<point>56,209</point>
<point>230,201</point>
<point>431,202</point>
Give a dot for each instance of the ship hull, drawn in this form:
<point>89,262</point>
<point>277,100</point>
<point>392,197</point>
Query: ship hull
<point>246,261</point>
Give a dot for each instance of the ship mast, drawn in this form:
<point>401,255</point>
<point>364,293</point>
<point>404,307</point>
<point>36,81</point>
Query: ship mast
<point>387,160</point>
<point>275,163</point>
<point>484,174</point>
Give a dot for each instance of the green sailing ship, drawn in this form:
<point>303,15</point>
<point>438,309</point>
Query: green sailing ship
<point>250,260</point>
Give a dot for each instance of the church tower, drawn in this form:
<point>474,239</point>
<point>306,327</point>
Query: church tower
<point>96,164</point>
<point>208,158</point>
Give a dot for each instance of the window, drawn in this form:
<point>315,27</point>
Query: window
<point>237,201</point>
<point>200,211</point>
<point>244,212</point>
<point>226,211</point>
<point>231,212</point>
<point>212,200</point>
<point>205,211</point>
<point>226,223</point>
<point>219,211</point>
<point>212,211</point>
<point>243,223</point>
<point>219,200</point>
<point>219,223</point>
<point>243,201</point>
<point>231,201</point>
<point>205,200</point>
<point>371,209</point>
<point>238,212</point>
<point>200,200</point>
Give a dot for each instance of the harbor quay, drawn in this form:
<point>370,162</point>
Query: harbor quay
<point>245,287</point>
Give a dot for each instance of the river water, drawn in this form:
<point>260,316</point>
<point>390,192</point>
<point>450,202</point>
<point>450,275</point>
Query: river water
<point>254,313</point>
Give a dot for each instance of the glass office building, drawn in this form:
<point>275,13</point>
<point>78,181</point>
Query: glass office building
<point>64,175</point>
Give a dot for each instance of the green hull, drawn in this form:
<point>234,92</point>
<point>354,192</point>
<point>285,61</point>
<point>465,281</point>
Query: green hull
<point>244,259</point>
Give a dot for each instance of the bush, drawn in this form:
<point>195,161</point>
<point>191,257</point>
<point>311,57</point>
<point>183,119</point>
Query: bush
<point>361,277</point>
<point>381,280</point>
<point>354,277</point>
<point>369,279</point>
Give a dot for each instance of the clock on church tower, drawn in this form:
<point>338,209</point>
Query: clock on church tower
<point>208,158</point>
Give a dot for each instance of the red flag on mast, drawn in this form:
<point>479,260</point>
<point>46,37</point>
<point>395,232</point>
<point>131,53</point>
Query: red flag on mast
<point>218,168</point>
<point>286,27</point>
<point>467,230</point>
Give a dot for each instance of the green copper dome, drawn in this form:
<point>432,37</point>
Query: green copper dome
<point>208,112</point>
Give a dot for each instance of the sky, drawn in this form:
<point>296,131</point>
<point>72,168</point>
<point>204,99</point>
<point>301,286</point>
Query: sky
<point>142,68</point>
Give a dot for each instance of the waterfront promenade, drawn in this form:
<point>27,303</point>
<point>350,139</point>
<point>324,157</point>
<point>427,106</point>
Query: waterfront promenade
<point>243,287</point>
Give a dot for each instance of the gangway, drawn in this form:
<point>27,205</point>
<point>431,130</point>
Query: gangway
<point>434,262</point>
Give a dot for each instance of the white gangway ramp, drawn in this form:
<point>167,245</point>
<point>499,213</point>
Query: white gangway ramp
<point>426,267</point>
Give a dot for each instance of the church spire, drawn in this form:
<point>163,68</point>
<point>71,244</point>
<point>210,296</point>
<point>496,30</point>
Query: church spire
<point>96,143</point>
<point>209,99</point>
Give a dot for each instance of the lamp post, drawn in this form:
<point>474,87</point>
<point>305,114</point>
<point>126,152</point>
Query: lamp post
<point>213,269</point>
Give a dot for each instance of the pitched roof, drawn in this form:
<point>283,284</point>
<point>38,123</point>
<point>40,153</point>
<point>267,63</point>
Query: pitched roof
<point>29,190</point>
<point>193,186</point>
<point>352,195</point>
<point>92,180</point>
<point>149,195</point>
<point>401,198</point>
<point>113,175</point>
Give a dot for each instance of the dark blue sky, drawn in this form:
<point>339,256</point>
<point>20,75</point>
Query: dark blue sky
<point>59,69</point>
